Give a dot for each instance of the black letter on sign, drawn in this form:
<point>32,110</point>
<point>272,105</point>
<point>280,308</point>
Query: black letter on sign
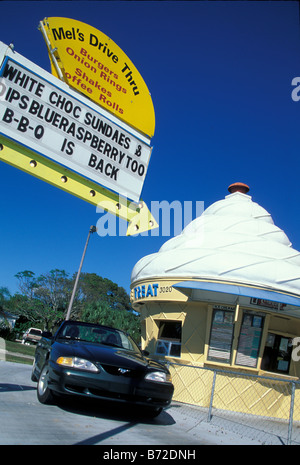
<point>8,115</point>
<point>93,160</point>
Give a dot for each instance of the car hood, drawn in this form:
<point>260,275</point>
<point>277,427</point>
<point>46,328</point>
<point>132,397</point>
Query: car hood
<point>105,355</point>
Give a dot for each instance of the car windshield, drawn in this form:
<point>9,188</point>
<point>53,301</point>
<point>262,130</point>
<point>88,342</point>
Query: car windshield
<point>97,334</point>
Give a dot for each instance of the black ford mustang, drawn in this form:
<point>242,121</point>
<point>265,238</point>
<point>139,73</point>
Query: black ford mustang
<point>99,362</point>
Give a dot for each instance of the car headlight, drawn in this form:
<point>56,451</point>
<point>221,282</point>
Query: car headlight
<point>76,362</point>
<point>159,377</point>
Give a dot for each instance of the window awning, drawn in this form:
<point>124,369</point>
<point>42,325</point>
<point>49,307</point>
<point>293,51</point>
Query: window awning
<point>234,289</point>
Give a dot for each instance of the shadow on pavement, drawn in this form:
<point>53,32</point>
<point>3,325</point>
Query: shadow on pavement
<point>107,434</point>
<point>7,387</point>
<point>112,411</point>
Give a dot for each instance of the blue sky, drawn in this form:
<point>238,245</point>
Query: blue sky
<point>220,77</point>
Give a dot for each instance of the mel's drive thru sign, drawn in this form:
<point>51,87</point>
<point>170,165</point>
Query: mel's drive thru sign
<point>45,115</point>
<point>92,63</point>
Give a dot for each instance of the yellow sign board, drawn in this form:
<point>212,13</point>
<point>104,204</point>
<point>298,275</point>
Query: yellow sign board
<point>40,112</point>
<point>90,62</point>
<point>138,215</point>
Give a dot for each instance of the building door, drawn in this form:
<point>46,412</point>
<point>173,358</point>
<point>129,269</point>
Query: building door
<point>277,354</point>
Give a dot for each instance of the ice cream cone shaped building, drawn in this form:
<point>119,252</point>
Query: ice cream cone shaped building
<point>224,293</point>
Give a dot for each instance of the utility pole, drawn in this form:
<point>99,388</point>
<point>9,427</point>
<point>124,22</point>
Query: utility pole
<point>92,230</point>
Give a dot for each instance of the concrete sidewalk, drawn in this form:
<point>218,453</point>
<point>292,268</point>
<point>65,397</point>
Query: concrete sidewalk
<point>236,426</point>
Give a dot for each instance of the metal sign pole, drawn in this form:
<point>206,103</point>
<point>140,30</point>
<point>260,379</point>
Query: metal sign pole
<point>92,230</point>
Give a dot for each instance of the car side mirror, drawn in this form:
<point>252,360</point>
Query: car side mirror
<point>145,352</point>
<point>47,334</point>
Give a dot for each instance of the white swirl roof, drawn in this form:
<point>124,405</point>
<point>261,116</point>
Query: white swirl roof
<point>234,240</point>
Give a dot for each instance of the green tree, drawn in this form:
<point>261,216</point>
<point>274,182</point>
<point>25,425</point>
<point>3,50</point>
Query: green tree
<point>94,288</point>
<point>52,289</point>
<point>27,309</point>
<point>101,313</point>
<point>43,298</point>
<point>4,297</point>
<point>27,283</point>
<point>4,304</point>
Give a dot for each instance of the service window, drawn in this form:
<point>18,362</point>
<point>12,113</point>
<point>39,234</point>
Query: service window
<point>169,338</point>
<point>277,354</point>
<point>249,339</point>
<point>221,335</point>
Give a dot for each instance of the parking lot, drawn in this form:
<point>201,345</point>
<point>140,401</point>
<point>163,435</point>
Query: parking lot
<point>24,421</point>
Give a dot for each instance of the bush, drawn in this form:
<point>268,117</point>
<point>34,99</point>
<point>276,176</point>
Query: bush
<point>6,332</point>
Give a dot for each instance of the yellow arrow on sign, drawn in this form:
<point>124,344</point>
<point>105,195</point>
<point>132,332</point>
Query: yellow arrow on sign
<point>137,214</point>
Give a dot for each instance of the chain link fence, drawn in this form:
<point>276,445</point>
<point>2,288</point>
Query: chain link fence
<point>262,407</point>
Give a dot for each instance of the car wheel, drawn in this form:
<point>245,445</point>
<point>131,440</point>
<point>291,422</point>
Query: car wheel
<point>44,394</point>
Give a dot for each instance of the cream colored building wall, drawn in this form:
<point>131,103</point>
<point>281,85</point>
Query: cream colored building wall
<point>193,319</point>
<point>233,392</point>
<point>192,385</point>
<point>193,334</point>
<point>151,314</point>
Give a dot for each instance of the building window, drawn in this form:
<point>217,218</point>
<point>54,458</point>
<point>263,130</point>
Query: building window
<point>169,338</point>
<point>249,340</point>
<point>221,335</point>
<point>277,354</point>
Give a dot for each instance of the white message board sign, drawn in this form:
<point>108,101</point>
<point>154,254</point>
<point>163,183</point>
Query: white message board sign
<point>37,111</point>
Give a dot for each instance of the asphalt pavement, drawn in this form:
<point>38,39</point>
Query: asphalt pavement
<point>24,421</point>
